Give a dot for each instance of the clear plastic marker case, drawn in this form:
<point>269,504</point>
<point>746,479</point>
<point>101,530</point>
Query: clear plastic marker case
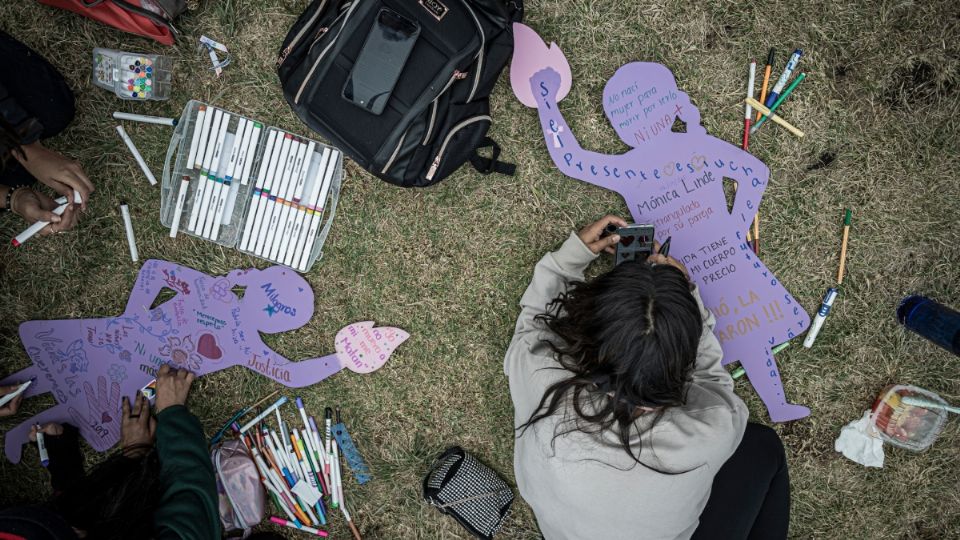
<point>274,203</point>
<point>135,76</point>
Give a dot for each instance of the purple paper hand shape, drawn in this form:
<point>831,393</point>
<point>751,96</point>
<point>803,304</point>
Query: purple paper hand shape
<point>204,327</point>
<point>674,180</point>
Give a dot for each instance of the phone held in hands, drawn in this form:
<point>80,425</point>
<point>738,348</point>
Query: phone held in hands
<point>636,242</point>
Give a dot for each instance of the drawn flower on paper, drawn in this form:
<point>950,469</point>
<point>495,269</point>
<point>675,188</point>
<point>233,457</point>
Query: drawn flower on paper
<point>74,358</point>
<point>183,352</point>
<point>125,355</point>
<point>156,315</point>
<point>117,373</point>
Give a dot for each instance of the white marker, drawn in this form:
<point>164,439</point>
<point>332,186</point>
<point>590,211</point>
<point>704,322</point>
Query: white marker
<point>128,225</point>
<point>205,117</point>
<point>307,205</point>
<point>215,170</point>
<point>821,316</point>
<point>39,225</point>
<point>266,412</point>
<point>257,187</point>
<point>211,141</point>
<point>291,225</point>
<point>160,120</point>
<point>178,207</point>
<point>290,200</point>
<point>316,218</point>
<point>223,188</point>
<point>42,447</point>
<point>136,155</point>
<point>277,199</point>
<point>247,163</point>
<point>195,139</point>
<point>268,185</point>
<point>12,395</point>
<point>265,221</point>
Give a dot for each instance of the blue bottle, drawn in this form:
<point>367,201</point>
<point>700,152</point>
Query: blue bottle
<point>934,321</point>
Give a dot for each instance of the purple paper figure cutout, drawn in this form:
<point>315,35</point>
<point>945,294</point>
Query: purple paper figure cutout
<point>674,180</point>
<point>204,326</point>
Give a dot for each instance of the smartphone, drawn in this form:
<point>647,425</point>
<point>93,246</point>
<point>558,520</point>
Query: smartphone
<point>378,67</point>
<point>636,243</point>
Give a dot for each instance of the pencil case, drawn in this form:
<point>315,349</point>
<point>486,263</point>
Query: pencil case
<point>135,76</point>
<point>232,180</point>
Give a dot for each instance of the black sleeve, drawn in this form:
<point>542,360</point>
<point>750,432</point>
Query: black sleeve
<point>66,460</point>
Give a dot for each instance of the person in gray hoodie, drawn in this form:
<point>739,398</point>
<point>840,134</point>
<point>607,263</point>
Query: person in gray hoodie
<point>627,425</point>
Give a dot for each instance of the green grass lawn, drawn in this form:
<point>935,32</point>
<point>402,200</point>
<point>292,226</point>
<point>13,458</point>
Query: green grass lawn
<point>879,106</point>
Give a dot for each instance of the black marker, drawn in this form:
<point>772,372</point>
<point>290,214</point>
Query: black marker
<point>665,247</point>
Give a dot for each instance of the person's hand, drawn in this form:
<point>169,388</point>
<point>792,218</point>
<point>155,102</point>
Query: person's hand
<point>138,426</point>
<point>11,407</point>
<point>173,385</point>
<point>52,428</point>
<point>656,258</point>
<point>35,206</point>
<point>58,172</point>
<point>591,234</point>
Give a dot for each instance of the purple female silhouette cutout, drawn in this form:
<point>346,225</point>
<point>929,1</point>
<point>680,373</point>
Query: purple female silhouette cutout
<point>88,364</point>
<point>674,180</point>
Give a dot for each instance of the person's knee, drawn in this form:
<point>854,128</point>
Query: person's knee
<point>60,112</point>
<point>766,441</point>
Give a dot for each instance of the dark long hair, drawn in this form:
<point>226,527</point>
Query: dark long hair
<point>117,499</point>
<point>629,338</point>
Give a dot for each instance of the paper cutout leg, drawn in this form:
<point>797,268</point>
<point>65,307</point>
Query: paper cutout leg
<point>674,180</point>
<point>89,364</point>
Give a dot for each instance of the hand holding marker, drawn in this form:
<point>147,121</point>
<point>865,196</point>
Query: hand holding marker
<point>832,292</point>
<point>38,226</point>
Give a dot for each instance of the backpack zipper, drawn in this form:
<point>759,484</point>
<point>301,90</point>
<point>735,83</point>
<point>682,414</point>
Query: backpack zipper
<point>395,152</point>
<point>483,44</point>
<point>296,38</point>
<point>316,63</point>
<point>436,161</point>
<point>457,76</point>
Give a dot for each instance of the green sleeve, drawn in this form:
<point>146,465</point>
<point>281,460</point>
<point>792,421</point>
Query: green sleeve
<point>188,508</point>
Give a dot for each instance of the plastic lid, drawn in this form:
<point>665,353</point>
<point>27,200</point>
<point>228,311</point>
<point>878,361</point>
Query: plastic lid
<point>911,427</point>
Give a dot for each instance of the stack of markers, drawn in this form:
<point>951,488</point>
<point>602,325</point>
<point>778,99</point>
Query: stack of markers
<point>292,179</point>
<point>298,467</point>
<point>767,108</point>
<point>287,204</point>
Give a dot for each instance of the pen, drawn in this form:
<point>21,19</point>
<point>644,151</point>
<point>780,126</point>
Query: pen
<point>665,247</point>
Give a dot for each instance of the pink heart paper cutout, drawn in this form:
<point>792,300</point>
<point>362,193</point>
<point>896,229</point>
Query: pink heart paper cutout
<point>207,346</point>
<point>361,348</point>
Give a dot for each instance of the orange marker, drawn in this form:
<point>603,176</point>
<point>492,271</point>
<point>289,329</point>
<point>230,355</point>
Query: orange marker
<point>766,80</point>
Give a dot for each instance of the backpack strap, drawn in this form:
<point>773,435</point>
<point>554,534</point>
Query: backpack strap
<point>492,164</point>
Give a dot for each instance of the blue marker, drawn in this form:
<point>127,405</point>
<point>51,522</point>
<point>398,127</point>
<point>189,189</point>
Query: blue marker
<point>784,77</point>
<point>831,295</point>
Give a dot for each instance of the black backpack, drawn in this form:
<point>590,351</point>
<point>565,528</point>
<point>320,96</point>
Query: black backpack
<point>438,114</point>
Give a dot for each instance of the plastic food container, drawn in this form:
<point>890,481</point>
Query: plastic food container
<point>135,76</point>
<point>246,197</point>
<point>907,426</point>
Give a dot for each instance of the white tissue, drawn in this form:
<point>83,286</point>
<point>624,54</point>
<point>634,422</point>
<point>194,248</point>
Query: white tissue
<point>858,442</point>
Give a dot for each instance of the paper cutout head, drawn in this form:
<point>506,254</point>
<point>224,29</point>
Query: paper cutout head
<point>655,96</point>
<point>674,180</point>
<point>88,364</point>
<point>276,297</point>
